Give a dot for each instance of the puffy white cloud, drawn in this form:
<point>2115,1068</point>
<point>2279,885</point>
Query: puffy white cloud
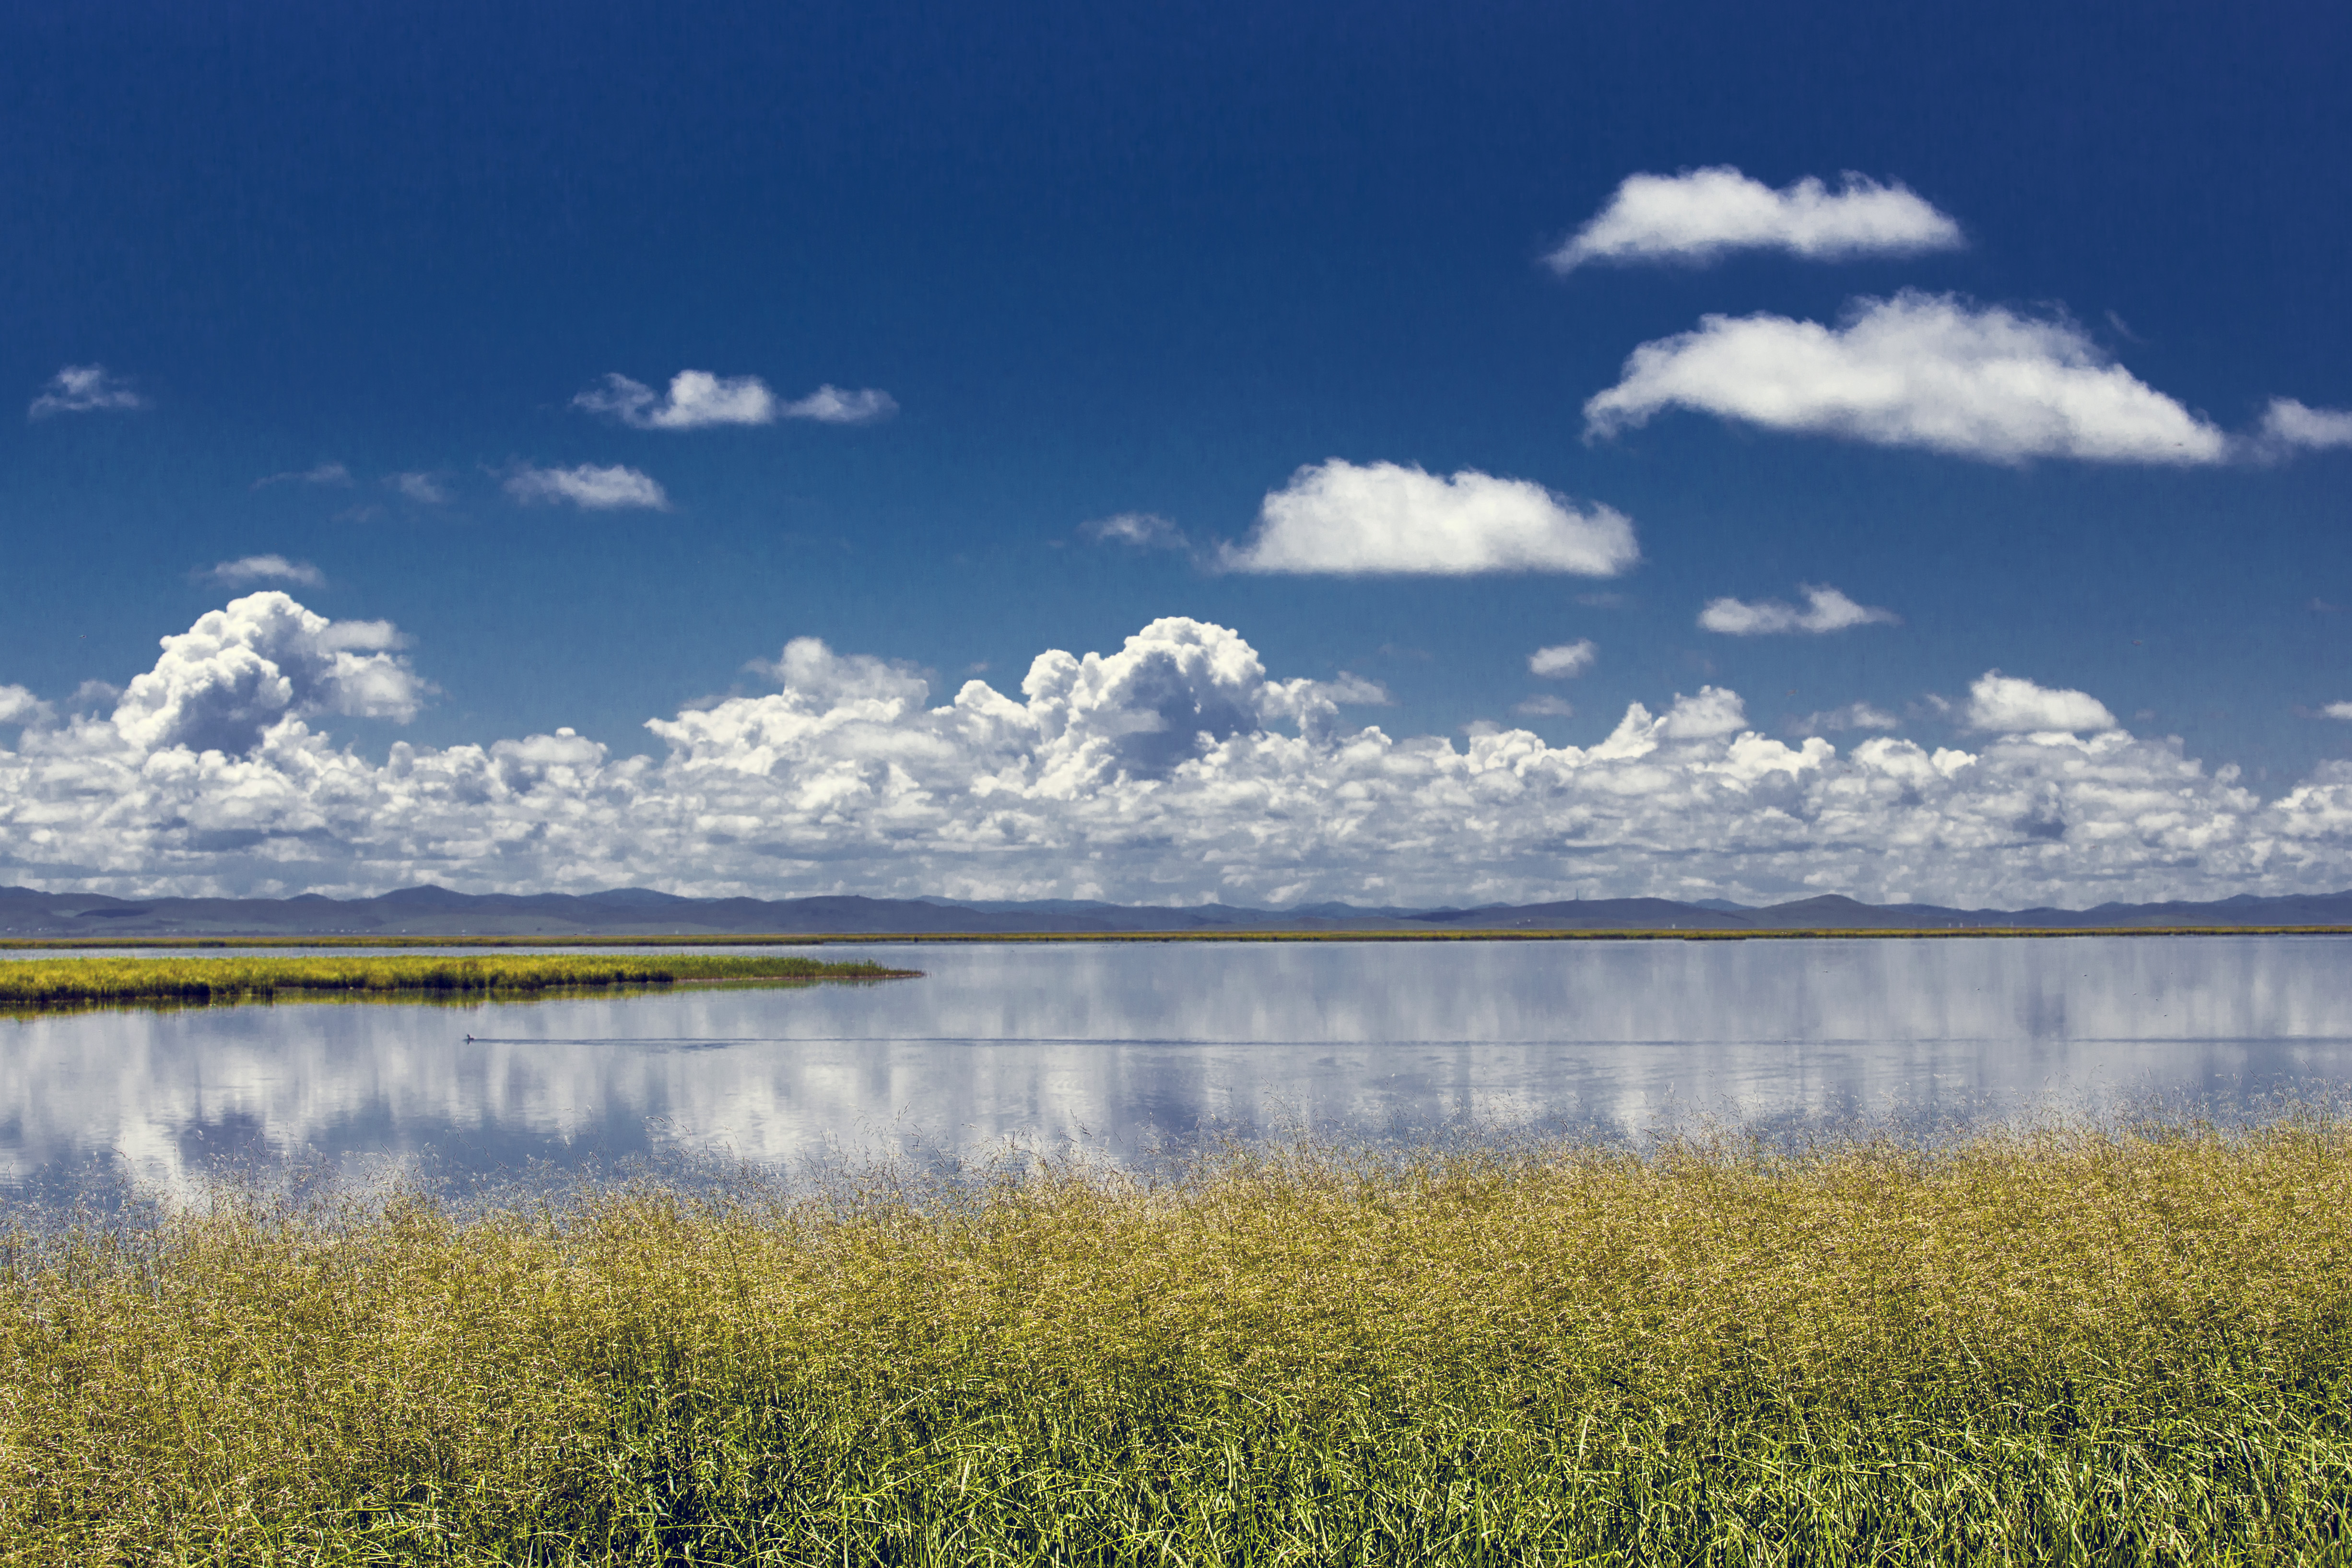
<point>1144,530</point>
<point>85,389</point>
<point>2288,423</point>
<point>1173,769</point>
<point>226,681</point>
<point>1563,661</point>
<point>2337,711</point>
<point>18,706</point>
<point>1917,370</point>
<point>587,485</point>
<point>1700,214</point>
<point>1341,517</point>
<point>697,399</point>
<point>266,568</point>
<point>1826,610</point>
<point>2008,705</point>
<point>422,487</point>
<point>323,474</point>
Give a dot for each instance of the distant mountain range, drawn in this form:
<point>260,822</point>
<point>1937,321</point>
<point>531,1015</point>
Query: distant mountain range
<point>437,911</point>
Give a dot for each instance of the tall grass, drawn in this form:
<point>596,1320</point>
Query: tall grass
<point>32,982</point>
<point>2064,1347</point>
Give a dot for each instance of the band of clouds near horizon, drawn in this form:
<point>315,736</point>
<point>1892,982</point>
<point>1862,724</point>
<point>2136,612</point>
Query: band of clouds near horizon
<point>1174,769</point>
<point>1825,610</point>
<point>697,399</point>
<point>1701,215</point>
<point>1349,519</point>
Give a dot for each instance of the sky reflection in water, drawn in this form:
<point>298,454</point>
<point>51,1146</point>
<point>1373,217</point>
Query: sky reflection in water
<point>1126,1047</point>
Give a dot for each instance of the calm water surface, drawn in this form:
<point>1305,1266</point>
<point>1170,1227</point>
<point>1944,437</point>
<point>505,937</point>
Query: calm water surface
<point>1125,1048</point>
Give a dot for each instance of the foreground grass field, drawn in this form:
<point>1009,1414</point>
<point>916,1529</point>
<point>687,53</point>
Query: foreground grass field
<point>2061,1348</point>
<point>67,982</point>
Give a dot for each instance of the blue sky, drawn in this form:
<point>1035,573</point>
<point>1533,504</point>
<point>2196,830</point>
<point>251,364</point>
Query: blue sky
<point>1152,265</point>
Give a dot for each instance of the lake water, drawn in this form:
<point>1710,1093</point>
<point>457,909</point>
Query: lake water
<point>1125,1048</point>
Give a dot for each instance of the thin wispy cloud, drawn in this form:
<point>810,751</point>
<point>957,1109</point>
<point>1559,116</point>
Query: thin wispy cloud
<point>1544,705</point>
<point>697,400</point>
<point>1852,716</point>
<point>1344,517</point>
<point>1143,529</point>
<point>323,474</point>
<point>1564,660</point>
<point>1930,371</point>
<point>1701,215</point>
<point>267,569</point>
<point>1824,610</point>
<point>85,389</point>
<point>596,489</point>
<point>424,489</point>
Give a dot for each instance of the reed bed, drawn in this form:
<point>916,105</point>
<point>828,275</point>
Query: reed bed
<point>71,982</point>
<point>2060,1347</point>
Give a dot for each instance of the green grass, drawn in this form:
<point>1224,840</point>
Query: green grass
<point>79,982</point>
<point>2069,1347</point>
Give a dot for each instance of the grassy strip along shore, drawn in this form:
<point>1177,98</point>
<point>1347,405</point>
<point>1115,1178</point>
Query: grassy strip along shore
<point>2058,1348</point>
<point>35,982</point>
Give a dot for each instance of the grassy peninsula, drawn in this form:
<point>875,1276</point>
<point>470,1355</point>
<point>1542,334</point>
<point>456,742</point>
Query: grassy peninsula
<point>77,982</point>
<point>2083,1347</point>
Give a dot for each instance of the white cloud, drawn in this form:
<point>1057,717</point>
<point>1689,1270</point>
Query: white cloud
<point>2287,424</point>
<point>1144,530</point>
<point>1340,517</point>
<point>18,706</point>
<point>2007,705</point>
<point>1700,214</point>
<point>424,489</point>
<point>323,474</point>
<point>85,389</point>
<point>1545,706</point>
<point>1852,716</point>
<point>1172,769</point>
<point>225,682</point>
<point>1826,610</point>
<point>697,399</point>
<point>267,568</point>
<point>1918,370</point>
<point>1564,660</point>
<point>830,404</point>
<point>2338,710</point>
<point>597,488</point>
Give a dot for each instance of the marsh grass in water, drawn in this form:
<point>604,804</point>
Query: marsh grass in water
<point>69,982</point>
<point>2071,1346</point>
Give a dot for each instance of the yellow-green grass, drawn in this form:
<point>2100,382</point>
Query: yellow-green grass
<point>2064,1347</point>
<point>71,982</point>
<point>824,939</point>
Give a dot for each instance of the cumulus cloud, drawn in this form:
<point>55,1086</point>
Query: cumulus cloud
<point>1825,610</point>
<point>426,489</point>
<point>697,399</point>
<point>85,389</point>
<point>323,474</point>
<point>2005,704</point>
<point>1341,517</point>
<point>2288,423</point>
<point>1917,370</point>
<point>596,489</point>
<point>229,681</point>
<point>2337,711</point>
<point>18,706</point>
<point>1173,768</point>
<point>1144,530</point>
<point>266,568</point>
<point>1563,661</point>
<point>1700,214</point>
